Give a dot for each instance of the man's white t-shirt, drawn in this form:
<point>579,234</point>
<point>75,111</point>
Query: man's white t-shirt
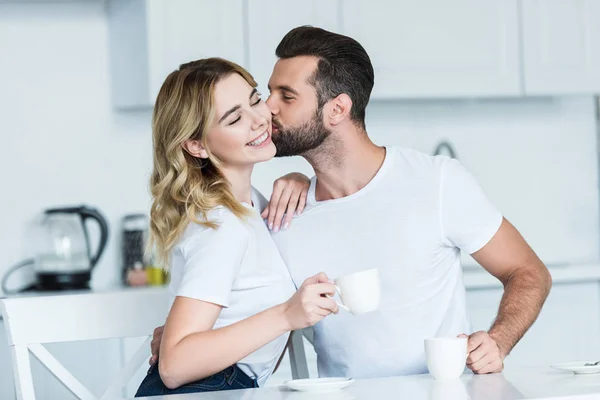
<point>411,221</point>
<point>238,267</point>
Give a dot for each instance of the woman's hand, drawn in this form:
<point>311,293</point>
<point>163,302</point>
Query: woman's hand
<point>309,304</point>
<point>288,198</point>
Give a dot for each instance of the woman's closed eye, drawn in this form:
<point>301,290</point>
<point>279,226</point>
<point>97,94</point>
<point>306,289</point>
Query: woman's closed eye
<point>257,99</point>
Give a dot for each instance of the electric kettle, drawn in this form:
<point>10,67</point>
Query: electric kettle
<point>62,255</point>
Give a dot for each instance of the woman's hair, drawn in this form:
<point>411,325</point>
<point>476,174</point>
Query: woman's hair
<point>184,187</point>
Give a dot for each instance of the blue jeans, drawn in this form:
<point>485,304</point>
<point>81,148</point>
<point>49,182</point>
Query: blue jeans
<point>228,379</point>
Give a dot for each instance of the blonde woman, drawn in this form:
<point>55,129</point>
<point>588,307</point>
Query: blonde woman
<point>234,301</point>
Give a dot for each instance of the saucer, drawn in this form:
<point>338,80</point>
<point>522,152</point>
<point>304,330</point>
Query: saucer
<point>578,367</point>
<point>320,385</point>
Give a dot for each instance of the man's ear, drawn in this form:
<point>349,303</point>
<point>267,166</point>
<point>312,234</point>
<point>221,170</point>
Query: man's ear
<point>195,148</point>
<point>340,107</point>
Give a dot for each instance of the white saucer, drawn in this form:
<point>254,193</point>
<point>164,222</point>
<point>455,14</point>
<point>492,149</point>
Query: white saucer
<point>578,367</point>
<point>320,385</point>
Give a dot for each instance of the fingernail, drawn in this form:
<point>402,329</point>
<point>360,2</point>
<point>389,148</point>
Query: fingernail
<point>271,226</point>
<point>276,229</point>
<point>285,226</point>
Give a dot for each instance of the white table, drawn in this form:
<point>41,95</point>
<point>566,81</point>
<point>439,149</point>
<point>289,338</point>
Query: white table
<point>516,383</point>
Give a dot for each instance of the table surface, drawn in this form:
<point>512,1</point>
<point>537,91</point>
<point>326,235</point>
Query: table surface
<point>516,383</point>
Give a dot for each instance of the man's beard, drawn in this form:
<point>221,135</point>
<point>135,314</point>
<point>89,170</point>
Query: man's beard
<point>297,140</point>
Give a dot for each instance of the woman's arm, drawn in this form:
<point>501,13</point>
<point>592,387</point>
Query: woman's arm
<point>192,350</point>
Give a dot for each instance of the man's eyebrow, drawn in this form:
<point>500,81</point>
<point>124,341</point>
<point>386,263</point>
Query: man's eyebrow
<point>285,88</point>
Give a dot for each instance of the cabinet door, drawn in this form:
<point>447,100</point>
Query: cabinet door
<point>434,48</point>
<point>148,39</point>
<point>270,20</point>
<point>561,46</point>
<point>567,329</point>
<point>185,30</point>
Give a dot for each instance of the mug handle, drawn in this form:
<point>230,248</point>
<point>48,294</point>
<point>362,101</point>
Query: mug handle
<point>339,292</point>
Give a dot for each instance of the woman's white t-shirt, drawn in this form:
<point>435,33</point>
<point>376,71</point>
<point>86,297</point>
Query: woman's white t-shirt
<point>236,266</point>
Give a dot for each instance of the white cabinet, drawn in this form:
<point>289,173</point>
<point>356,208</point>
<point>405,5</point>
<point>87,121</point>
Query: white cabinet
<point>432,48</point>
<point>150,38</point>
<point>568,328</point>
<point>561,46</point>
<point>419,49</point>
<point>270,20</point>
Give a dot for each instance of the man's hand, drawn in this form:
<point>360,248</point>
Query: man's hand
<point>155,344</point>
<point>484,355</point>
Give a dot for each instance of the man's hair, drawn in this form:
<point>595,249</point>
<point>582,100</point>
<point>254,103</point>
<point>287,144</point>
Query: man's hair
<point>344,66</point>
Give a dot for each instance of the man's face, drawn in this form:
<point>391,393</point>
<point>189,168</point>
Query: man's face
<point>297,120</point>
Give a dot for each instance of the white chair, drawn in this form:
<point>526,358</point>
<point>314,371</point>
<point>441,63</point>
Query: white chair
<point>298,360</point>
<point>34,321</point>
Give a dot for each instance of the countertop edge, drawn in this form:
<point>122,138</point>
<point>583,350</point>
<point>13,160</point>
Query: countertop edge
<point>473,278</point>
<point>478,278</point>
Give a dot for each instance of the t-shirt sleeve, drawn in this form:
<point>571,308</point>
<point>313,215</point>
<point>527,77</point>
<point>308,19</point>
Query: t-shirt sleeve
<point>468,219</point>
<point>213,258</point>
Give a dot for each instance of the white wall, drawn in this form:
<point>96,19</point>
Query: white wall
<point>63,144</point>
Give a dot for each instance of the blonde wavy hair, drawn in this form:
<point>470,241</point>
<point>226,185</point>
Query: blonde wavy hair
<point>184,187</point>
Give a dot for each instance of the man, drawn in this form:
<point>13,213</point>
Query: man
<point>406,213</point>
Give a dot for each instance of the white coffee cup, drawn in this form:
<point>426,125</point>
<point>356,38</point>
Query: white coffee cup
<point>446,357</point>
<point>360,292</point>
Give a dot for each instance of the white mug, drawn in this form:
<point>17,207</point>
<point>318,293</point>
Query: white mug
<point>446,357</point>
<point>360,292</point>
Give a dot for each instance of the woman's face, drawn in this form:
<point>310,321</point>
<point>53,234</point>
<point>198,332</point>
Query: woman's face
<point>241,132</point>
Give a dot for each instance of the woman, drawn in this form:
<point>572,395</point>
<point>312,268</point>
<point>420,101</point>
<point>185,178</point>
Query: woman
<point>235,303</point>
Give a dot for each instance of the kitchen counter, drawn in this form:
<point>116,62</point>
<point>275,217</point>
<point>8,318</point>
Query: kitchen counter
<point>103,289</point>
<point>475,277</point>
<point>515,383</point>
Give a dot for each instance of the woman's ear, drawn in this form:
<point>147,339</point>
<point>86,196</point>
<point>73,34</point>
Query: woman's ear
<point>195,148</point>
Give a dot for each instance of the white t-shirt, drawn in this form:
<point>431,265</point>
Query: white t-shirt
<point>411,221</point>
<point>238,267</point>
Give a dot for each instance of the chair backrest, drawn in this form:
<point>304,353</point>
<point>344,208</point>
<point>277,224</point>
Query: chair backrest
<point>297,354</point>
<point>33,321</point>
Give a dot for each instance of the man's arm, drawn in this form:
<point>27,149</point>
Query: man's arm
<point>527,284</point>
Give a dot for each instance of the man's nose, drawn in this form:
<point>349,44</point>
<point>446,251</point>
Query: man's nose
<point>272,106</point>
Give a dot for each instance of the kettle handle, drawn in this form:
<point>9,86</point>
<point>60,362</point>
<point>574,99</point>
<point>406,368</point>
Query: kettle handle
<point>92,213</point>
